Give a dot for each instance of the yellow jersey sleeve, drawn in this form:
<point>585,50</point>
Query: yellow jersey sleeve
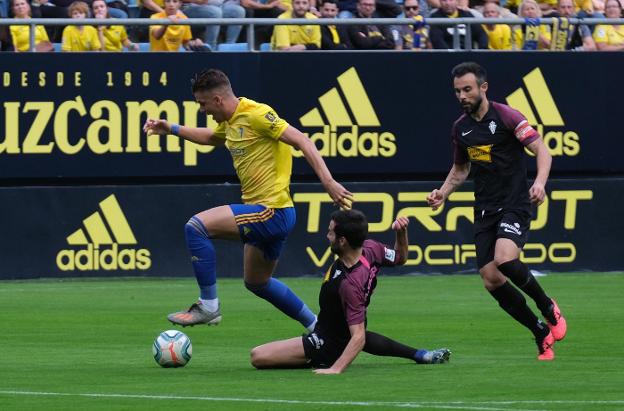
<point>281,34</point>
<point>93,38</point>
<point>316,36</point>
<point>266,122</point>
<point>219,132</point>
<point>601,34</point>
<point>187,35</point>
<point>21,36</point>
<point>68,33</point>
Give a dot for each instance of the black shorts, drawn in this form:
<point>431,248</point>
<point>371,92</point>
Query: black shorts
<point>321,352</point>
<point>492,225</point>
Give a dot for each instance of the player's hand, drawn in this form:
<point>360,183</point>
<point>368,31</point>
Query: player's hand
<point>156,127</point>
<point>537,193</point>
<point>435,199</point>
<point>400,224</point>
<point>326,371</point>
<point>342,197</point>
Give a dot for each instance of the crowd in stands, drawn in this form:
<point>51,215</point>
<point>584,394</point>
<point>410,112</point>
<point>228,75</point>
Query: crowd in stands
<point>555,32</point>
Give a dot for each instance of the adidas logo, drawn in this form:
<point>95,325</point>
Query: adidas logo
<point>107,227</point>
<point>335,116</point>
<point>558,142</point>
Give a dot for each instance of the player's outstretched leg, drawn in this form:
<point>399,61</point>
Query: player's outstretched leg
<point>521,276</point>
<point>258,280</point>
<point>203,257</point>
<point>377,344</point>
<point>285,300</point>
<point>513,302</point>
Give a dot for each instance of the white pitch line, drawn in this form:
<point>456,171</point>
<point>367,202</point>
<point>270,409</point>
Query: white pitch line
<point>407,404</point>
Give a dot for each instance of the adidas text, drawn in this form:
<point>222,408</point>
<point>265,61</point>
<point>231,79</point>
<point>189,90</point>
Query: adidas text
<point>331,143</point>
<point>92,258</point>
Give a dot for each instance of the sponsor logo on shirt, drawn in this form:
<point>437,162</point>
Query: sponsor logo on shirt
<point>390,254</point>
<point>271,117</point>
<point>481,153</point>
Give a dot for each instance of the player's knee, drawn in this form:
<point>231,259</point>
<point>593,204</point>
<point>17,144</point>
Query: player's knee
<point>256,288</point>
<point>195,227</point>
<point>492,278</point>
<point>500,259</point>
<point>257,358</point>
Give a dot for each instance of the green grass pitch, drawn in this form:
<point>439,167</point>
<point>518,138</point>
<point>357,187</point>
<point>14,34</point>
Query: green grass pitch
<point>86,345</point>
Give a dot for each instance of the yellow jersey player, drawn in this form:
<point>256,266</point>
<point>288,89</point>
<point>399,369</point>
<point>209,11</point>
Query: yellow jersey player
<point>260,144</point>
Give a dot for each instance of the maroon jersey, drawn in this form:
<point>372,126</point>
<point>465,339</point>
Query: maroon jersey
<point>346,291</point>
<point>495,148</point>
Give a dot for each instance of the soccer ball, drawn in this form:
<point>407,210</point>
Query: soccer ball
<point>172,348</point>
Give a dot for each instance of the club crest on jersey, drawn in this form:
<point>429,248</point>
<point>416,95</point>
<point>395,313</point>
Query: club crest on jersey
<point>480,153</point>
<point>492,127</point>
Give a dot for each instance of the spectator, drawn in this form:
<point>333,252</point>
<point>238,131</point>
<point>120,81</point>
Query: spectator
<point>112,37</point>
<point>149,7</point>
<point>171,38</point>
<point>21,34</point>
<point>369,37</point>
<point>264,9</point>
<point>566,36</point>
<point>383,9</point>
<point>499,35</point>
<point>428,6</point>
<point>333,37</point>
<point>531,36</point>
<point>80,38</point>
<point>297,38</point>
<point>548,8</point>
<point>465,5</point>
<point>388,9</point>
<point>442,36</point>
<point>609,37</point>
<point>216,9</point>
<point>513,6</point>
<point>348,9</point>
<point>411,36</point>
<point>60,9</point>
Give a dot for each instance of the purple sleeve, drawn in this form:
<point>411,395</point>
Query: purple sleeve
<point>517,123</point>
<point>352,294</point>
<point>380,254</point>
<point>460,156</point>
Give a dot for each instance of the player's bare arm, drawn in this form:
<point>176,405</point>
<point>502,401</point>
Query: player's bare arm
<point>199,135</point>
<point>537,192</point>
<point>353,348</point>
<point>455,178</point>
<point>401,242</point>
<point>340,195</point>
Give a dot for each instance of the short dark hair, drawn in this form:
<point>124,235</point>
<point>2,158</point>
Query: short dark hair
<point>209,80</point>
<point>352,225</point>
<point>470,67</point>
<point>330,1</point>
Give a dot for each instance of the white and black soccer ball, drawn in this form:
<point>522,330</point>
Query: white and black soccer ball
<point>172,348</point>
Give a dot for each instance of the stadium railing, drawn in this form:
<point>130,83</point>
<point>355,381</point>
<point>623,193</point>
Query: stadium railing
<point>250,23</point>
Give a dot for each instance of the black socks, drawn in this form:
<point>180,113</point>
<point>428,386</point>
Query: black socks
<point>520,275</point>
<point>513,302</point>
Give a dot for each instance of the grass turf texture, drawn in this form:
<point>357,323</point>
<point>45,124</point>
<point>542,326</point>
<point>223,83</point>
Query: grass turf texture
<point>95,336</point>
